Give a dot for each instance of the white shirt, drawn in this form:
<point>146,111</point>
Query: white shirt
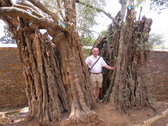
<point>97,68</point>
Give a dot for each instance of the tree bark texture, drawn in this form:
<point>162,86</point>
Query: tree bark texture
<point>57,81</point>
<point>126,87</point>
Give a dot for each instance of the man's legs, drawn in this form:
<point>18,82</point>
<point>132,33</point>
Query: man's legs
<point>97,90</point>
<point>96,85</point>
<point>97,94</point>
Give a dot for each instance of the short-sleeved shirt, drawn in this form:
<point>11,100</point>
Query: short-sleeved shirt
<point>97,68</point>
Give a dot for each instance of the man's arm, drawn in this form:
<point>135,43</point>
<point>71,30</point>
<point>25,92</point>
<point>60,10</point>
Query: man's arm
<point>104,64</point>
<point>109,67</point>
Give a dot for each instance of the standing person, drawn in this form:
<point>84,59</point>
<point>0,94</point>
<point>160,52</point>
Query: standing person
<point>95,63</point>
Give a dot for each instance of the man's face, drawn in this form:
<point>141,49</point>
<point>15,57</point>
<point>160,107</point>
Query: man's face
<point>95,52</point>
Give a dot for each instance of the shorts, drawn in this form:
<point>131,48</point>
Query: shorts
<point>96,80</point>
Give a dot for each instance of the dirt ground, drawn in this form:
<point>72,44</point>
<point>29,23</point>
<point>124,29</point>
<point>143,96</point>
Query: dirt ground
<point>134,118</point>
<point>106,112</point>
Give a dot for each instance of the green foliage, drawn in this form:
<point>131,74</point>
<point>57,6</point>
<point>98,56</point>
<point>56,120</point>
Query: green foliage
<point>51,5</point>
<point>159,4</point>
<point>138,2</point>
<point>87,41</point>
<point>7,38</point>
<point>86,16</point>
<point>103,33</point>
<point>155,40</point>
<point>86,52</point>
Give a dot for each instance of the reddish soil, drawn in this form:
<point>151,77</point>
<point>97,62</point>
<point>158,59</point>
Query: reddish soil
<point>106,113</point>
<point>161,122</point>
<point>115,118</point>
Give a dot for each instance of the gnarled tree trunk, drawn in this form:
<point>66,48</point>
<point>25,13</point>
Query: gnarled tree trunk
<point>57,81</point>
<point>125,47</point>
<point>130,86</point>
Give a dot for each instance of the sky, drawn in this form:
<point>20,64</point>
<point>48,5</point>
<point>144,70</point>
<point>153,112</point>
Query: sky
<point>159,26</point>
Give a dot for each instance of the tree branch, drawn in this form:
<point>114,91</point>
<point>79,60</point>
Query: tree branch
<point>99,10</point>
<point>59,9</point>
<point>16,12</point>
<point>26,8</point>
<point>29,4</point>
<point>44,9</point>
<point>65,25</point>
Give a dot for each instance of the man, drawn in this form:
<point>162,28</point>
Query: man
<point>95,63</point>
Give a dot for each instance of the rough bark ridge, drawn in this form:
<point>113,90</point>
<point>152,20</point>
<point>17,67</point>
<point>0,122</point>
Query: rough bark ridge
<point>57,81</point>
<point>126,49</point>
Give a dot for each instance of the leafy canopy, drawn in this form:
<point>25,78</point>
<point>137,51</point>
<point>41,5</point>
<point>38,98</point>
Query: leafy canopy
<point>159,4</point>
<point>7,38</point>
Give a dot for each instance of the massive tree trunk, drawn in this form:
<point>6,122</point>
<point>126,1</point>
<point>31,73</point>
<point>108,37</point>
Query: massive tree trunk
<point>125,47</point>
<point>130,86</point>
<point>57,81</point>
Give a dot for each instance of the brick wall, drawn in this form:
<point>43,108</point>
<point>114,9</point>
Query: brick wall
<point>12,83</point>
<point>158,68</point>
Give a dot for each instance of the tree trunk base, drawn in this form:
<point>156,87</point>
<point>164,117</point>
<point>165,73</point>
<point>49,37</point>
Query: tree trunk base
<point>85,119</point>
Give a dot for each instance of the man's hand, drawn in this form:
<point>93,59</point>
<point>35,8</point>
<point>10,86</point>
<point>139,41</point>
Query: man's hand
<point>109,67</point>
<point>112,68</point>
